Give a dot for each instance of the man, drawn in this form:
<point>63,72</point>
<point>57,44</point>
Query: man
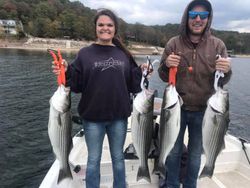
<point>197,54</point>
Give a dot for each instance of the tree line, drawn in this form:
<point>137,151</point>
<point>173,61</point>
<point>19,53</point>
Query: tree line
<point>63,18</point>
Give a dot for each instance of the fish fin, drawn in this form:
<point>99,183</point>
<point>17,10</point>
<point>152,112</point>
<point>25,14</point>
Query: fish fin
<point>71,144</point>
<point>166,115</point>
<point>207,172</point>
<point>218,119</point>
<point>59,121</point>
<point>162,170</point>
<point>138,119</point>
<point>143,173</point>
<point>227,119</point>
<point>63,174</point>
<point>156,166</point>
<point>223,145</point>
<point>180,100</point>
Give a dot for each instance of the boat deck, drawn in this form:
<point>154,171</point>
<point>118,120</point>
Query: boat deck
<point>232,169</point>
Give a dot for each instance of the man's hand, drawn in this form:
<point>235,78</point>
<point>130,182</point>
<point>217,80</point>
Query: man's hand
<point>173,60</point>
<point>223,64</point>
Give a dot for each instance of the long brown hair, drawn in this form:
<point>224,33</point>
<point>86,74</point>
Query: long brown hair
<point>116,40</point>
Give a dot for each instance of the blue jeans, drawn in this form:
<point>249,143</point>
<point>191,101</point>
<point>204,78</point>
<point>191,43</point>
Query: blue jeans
<point>94,134</point>
<point>192,120</point>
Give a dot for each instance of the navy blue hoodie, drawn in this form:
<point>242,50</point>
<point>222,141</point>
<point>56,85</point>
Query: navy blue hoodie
<point>105,76</point>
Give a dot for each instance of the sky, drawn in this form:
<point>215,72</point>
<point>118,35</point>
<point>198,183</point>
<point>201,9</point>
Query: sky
<point>229,15</point>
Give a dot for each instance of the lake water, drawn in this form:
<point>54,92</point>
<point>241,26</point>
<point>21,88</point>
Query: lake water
<point>26,85</point>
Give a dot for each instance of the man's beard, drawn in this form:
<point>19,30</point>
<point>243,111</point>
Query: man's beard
<point>195,33</point>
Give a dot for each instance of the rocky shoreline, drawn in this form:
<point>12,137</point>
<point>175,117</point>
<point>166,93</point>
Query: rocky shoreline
<point>74,46</point>
<point>71,45</point>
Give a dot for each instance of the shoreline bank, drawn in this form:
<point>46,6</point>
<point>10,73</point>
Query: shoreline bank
<point>41,44</point>
<point>135,51</point>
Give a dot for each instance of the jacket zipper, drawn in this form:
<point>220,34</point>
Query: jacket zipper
<point>192,74</point>
<point>194,55</point>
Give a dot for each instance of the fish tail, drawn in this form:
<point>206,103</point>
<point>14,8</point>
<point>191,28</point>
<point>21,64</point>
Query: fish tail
<point>207,172</point>
<point>143,173</point>
<point>64,174</point>
<point>156,166</point>
<point>162,170</point>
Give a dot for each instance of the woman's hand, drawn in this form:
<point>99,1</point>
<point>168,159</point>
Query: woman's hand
<point>56,69</point>
<point>148,67</point>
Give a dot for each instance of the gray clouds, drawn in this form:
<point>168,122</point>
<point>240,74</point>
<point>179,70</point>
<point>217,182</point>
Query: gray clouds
<point>233,15</point>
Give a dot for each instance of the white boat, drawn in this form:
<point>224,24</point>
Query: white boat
<point>232,168</point>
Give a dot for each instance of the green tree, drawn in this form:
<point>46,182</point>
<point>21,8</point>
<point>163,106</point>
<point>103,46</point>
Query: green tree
<point>10,8</point>
<point>53,30</point>
<point>41,27</point>
<point>24,12</point>
<point>45,10</point>
<point>67,19</point>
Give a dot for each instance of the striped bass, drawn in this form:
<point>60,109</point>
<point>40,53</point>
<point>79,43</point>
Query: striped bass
<point>59,129</point>
<point>142,130</point>
<point>214,126</point>
<point>169,125</point>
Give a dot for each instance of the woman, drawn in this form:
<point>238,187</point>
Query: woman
<point>105,73</point>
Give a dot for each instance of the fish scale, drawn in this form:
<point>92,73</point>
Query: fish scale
<point>169,126</point>
<point>214,126</point>
<point>142,130</point>
<point>59,130</point>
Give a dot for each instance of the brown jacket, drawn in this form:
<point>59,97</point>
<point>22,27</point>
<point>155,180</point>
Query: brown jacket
<point>197,86</point>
